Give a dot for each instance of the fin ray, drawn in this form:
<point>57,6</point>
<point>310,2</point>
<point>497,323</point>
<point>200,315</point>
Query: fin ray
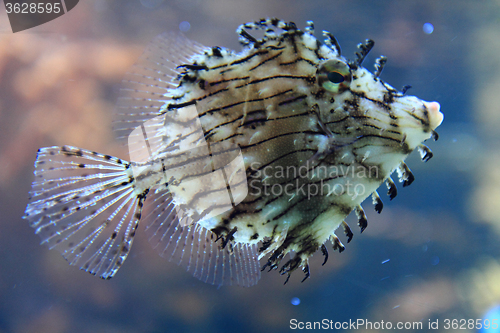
<point>193,246</point>
<point>145,87</point>
<point>86,211</point>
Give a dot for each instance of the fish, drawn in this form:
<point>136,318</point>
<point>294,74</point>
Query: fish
<point>235,157</point>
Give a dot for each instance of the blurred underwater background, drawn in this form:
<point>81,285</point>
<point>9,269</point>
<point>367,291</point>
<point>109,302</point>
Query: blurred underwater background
<point>433,253</point>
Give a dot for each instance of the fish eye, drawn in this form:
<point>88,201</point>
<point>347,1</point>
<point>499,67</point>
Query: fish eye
<point>334,76</point>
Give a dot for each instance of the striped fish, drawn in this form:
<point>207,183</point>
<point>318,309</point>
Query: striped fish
<point>234,157</point>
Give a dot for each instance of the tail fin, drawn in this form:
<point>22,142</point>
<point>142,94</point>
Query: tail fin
<point>83,204</point>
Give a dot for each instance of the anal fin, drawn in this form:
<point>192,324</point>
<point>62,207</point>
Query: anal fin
<point>194,246</point>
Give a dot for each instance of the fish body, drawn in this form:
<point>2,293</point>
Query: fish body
<point>234,156</point>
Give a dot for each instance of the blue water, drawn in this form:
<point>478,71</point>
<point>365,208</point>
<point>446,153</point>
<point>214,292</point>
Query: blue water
<point>432,254</point>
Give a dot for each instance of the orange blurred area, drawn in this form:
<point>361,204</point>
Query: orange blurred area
<point>57,94</point>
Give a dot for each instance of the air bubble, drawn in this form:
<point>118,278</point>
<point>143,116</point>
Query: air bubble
<point>428,28</point>
<point>184,26</point>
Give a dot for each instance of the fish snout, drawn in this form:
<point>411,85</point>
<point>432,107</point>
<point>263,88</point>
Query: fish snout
<point>435,116</point>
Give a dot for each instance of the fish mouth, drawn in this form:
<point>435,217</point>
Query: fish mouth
<point>435,116</point>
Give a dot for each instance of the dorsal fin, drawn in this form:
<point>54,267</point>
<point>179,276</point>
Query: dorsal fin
<point>143,89</point>
<point>194,247</point>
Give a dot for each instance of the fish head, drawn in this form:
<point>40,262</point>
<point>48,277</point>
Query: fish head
<point>375,108</point>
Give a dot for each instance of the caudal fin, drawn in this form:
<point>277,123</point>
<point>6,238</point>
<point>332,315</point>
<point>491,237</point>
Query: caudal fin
<point>83,204</point>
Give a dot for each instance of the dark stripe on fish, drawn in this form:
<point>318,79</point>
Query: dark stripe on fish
<point>297,60</point>
<point>245,101</point>
<point>295,77</point>
<point>266,60</point>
